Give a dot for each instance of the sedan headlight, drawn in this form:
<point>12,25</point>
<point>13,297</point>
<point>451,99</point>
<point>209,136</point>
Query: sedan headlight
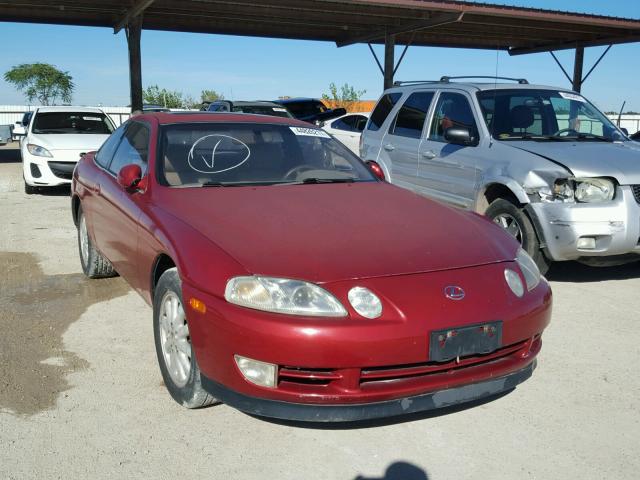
<point>594,190</point>
<point>529,269</point>
<point>38,151</point>
<point>281,295</point>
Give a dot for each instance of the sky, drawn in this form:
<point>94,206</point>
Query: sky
<point>245,68</point>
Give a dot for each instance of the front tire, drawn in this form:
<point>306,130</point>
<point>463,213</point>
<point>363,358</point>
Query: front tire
<point>517,223</point>
<point>94,265</point>
<point>176,357</point>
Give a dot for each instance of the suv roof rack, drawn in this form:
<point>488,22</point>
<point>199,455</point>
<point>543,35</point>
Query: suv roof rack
<point>414,82</point>
<point>522,81</point>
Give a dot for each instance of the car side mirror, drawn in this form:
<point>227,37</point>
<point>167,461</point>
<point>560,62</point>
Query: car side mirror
<point>129,176</point>
<point>459,136</point>
<point>376,170</point>
<point>625,131</point>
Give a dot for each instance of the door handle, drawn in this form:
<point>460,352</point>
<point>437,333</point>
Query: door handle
<point>389,148</point>
<point>429,154</point>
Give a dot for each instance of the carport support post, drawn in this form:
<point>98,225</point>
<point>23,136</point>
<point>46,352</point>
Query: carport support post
<point>134,29</point>
<point>389,61</point>
<point>577,69</point>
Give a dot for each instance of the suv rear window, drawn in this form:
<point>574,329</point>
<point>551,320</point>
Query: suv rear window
<point>382,110</point>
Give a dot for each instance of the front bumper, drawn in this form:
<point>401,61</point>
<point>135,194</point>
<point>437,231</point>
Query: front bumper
<point>614,225</point>
<point>355,361</point>
<point>48,171</point>
<point>368,411</point>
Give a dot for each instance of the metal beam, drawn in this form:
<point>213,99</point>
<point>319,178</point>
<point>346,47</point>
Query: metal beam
<point>577,69</point>
<point>560,65</point>
<point>573,44</point>
<point>134,29</point>
<point>432,22</point>
<point>136,9</point>
<point>376,58</point>
<point>389,47</point>
<point>596,64</point>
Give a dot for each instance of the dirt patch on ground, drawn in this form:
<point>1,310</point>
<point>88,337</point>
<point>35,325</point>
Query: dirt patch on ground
<point>35,310</point>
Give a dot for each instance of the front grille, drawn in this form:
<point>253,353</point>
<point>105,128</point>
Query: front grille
<point>327,380</point>
<point>636,192</point>
<point>62,169</point>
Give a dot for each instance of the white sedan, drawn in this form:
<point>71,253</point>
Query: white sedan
<point>55,139</point>
<point>348,129</point>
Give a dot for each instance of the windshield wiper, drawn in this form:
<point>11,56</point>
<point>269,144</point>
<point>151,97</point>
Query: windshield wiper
<point>326,180</point>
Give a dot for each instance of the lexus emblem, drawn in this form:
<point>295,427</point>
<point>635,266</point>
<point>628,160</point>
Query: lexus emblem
<point>453,292</point>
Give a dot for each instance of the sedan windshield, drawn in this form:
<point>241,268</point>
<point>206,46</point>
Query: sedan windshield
<point>220,155</point>
<point>72,122</point>
<point>544,115</point>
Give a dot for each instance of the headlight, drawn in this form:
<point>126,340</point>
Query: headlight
<point>281,295</point>
<point>529,269</point>
<point>594,189</point>
<point>38,151</point>
<point>514,282</point>
<point>365,302</point>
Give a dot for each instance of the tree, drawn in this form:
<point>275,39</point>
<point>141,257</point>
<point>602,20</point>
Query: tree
<point>347,96</point>
<point>166,98</point>
<point>42,81</point>
<point>210,96</point>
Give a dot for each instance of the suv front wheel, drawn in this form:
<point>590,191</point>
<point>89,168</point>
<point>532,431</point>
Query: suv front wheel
<point>516,222</point>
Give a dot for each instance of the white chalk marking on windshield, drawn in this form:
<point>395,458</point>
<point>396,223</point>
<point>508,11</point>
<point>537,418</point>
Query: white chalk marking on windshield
<point>211,165</point>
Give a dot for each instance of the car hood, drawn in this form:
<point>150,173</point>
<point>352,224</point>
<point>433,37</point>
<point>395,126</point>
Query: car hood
<point>620,160</point>
<point>68,141</point>
<point>330,232</point>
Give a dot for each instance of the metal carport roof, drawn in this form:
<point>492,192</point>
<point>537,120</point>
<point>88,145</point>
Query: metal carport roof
<point>442,23</point>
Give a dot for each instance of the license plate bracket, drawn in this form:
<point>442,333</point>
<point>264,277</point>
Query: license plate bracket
<point>455,342</point>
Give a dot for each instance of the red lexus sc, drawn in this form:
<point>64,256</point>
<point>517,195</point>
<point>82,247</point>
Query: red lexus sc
<point>288,281</point>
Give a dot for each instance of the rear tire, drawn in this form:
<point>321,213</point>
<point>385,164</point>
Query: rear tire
<point>94,265</point>
<point>517,223</point>
<point>176,357</point>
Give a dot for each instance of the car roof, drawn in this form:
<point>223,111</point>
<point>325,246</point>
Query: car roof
<point>474,86</point>
<point>168,118</point>
<point>69,108</point>
<point>296,100</point>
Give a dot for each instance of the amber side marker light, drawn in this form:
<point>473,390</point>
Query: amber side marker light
<point>197,305</point>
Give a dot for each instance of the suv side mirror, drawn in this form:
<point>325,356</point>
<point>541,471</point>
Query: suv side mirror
<point>459,136</point>
<point>129,176</point>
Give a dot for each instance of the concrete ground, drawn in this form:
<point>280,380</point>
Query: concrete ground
<point>81,395</point>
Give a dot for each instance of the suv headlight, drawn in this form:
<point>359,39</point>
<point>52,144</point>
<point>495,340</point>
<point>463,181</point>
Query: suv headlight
<point>281,295</point>
<point>529,269</point>
<point>594,190</point>
<point>38,151</point>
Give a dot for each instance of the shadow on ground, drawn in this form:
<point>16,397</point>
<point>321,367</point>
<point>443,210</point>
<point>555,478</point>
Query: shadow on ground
<point>400,471</point>
<point>10,154</point>
<point>578,272</point>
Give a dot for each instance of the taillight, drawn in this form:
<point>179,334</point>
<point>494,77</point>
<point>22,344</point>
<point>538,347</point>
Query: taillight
<point>376,169</point>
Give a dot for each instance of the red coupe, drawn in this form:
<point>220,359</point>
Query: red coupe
<point>288,281</point>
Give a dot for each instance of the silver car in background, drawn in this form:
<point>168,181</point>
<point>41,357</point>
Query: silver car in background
<point>542,162</point>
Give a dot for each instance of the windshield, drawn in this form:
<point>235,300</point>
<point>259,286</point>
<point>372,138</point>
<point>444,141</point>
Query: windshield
<point>72,122</point>
<point>544,115</point>
<point>306,108</point>
<point>215,154</point>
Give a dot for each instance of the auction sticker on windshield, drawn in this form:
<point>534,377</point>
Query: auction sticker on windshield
<point>310,132</point>
<point>572,96</point>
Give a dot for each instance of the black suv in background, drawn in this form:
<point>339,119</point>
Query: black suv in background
<point>310,109</point>
<point>257,107</point>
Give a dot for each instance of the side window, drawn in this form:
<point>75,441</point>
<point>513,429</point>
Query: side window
<point>382,110</point>
<point>105,154</point>
<point>452,110</point>
<point>134,148</point>
<point>412,115</point>
<point>347,123</point>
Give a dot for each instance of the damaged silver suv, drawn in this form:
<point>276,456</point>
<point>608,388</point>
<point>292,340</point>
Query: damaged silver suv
<point>542,162</point>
